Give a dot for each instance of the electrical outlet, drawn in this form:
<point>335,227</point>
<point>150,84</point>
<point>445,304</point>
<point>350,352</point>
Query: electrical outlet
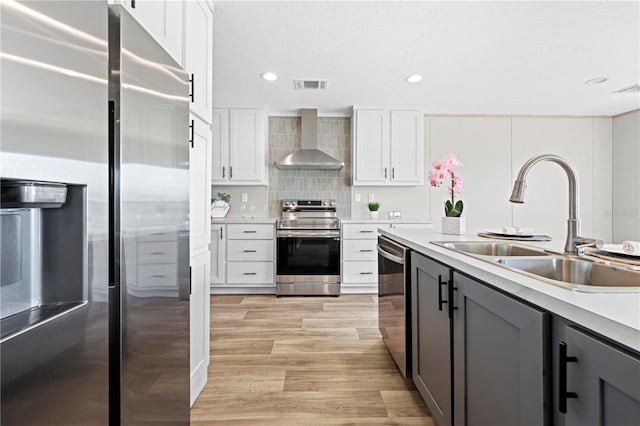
<point>357,197</point>
<point>372,197</point>
<point>244,197</point>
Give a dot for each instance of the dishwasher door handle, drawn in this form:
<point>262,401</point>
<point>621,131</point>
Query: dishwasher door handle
<point>391,257</point>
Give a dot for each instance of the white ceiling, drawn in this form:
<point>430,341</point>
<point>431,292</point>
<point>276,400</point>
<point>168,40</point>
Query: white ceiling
<point>476,57</point>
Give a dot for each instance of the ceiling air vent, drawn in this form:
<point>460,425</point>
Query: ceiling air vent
<point>634,88</point>
<point>310,84</point>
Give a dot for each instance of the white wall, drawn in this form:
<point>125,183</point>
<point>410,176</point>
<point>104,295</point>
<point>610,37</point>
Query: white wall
<point>626,177</point>
<point>494,148</point>
<point>256,195</point>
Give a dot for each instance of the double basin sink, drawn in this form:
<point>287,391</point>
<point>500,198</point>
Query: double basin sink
<point>573,272</point>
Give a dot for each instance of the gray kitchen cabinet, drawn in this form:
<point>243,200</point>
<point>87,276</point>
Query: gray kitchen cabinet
<point>598,383</point>
<point>479,356</point>
<point>498,358</point>
<point>430,323</point>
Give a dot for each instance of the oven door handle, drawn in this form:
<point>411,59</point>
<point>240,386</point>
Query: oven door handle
<point>309,234</point>
<point>391,257</point>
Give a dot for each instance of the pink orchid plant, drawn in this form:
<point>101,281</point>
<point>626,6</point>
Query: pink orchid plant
<point>444,170</point>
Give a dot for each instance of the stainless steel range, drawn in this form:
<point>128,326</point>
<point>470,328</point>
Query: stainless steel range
<point>308,249</point>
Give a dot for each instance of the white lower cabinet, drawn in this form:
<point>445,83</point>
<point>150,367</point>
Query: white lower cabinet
<point>199,323</point>
<point>218,254</point>
<point>245,258</point>
<point>359,258</point>
<point>360,255</point>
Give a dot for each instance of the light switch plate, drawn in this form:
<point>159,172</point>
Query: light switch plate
<point>395,215</point>
<point>244,197</point>
<point>372,198</point>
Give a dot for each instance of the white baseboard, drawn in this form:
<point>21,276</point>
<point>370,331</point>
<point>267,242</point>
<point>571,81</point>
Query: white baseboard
<point>242,290</point>
<point>359,289</point>
<point>198,380</point>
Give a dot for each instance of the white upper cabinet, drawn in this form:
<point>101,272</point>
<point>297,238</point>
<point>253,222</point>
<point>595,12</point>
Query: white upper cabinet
<point>407,147</point>
<point>197,56</point>
<point>371,147</point>
<point>239,154</point>
<point>388,147</point>
<point>200,189</point>
<point>220,145</point>
<point>163,20</point>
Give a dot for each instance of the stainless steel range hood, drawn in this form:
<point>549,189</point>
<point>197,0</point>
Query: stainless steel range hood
<point>309,156</point>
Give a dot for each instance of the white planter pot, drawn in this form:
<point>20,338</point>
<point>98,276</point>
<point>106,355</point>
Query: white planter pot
<point>454,225</point>
<point>373,215</point>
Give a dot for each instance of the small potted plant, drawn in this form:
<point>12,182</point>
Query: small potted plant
<point>444,170</point>
<point>373,209</point>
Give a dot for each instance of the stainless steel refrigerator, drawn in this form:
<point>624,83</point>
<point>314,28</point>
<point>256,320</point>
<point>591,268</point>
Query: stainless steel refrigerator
<point>94,235</point>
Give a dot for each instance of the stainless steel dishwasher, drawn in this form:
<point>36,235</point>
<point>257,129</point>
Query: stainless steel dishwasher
<point>394,275</point>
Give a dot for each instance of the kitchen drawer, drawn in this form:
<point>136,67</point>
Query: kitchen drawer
<point>255,250</point>
<point>249,272</point>
<point>250,232</point>
<point>158,275</point>
<point>157,252</point>
<point>359,272</point>
<point>363,250</point>
<point>157,234</point>
<point>360,231</point>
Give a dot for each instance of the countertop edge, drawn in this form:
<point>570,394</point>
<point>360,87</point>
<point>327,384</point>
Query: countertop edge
<point>560,301</point>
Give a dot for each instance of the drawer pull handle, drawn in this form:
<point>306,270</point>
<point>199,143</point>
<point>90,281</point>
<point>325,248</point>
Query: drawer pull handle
<point>158,233</point>
<point>249,273</point>
<point>158,276</point>
<point>249,251</point>
<point>366,232</point>
<point>158,252</point>
<point>366,273</point>
<point>249,232</point>
<point>366,251</point>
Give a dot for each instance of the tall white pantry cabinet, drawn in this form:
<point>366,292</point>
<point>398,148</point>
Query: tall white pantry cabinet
<point>185,30</point>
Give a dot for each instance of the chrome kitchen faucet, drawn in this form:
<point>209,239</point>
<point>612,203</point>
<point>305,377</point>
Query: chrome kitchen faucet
<point>575,244</point>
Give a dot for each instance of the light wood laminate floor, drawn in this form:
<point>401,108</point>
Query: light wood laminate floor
<point>302,361</point>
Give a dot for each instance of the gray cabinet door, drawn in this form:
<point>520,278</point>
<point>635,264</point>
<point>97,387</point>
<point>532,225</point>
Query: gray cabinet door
<point>431,336</point>
<point>499,358</point>
<point>605,380</point>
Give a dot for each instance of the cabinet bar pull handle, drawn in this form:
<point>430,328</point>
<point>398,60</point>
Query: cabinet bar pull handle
<point>249,273</point>
<point>133,4</point>
<point>249,251</point>
<point>230,172</point>
<point>224,171</point>
<point>158,252</point>
<point>366,232</point>
<point>192,95</point>
<point>385,172</point>
<point>249,232</point>
<point>365,251</point>
<point>192,135</point>
<point>563,395</point>
<point>393,173</point>
<point>440,284</point>
<point>366,273</point>
<point>158,276</point>
<point>221,232</point>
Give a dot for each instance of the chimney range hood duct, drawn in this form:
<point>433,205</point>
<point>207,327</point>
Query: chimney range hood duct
<point>309,157</point>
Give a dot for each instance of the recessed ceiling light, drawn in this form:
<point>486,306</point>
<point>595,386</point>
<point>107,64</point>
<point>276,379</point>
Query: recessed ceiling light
<point>414,78</point>
<point>595,80</point>
<point>269,76</point>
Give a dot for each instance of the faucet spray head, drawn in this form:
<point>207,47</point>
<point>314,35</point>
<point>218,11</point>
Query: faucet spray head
<point>517,194</point>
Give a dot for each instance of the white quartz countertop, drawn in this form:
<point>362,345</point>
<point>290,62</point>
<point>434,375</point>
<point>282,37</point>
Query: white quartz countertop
<point>383,220</point>
<point>614,315</point>
<point>239,220</point>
